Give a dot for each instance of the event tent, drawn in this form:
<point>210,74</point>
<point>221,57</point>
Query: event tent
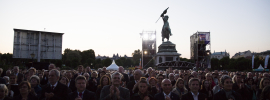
<point>113,66</point>
<point>260,68</point>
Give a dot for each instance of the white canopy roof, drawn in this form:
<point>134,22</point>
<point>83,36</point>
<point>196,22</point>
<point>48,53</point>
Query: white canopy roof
<point>113,66</point>
<point>260,67</point>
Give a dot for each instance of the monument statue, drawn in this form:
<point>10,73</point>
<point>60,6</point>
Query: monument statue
<point>166,30</point>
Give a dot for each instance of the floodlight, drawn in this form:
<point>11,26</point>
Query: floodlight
<point>145,52</point>
<point>145,36</point>
<point>153,37</point>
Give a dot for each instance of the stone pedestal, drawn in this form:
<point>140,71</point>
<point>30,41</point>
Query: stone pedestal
<point>167,53</point>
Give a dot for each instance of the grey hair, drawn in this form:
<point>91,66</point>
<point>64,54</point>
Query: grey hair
<point>53,65</point>
<point>116,73</point>
<point>223,78</point>
<point>35,77</point>
<point>139,71</point>
<point>6,77</point>
<point>171,74</point>
<point>16,67</point>
<point>57,73</point>
<point>176,75</point>
<point>4,87</point>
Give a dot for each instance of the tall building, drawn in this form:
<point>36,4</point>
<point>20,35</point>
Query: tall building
<point>220,55</point>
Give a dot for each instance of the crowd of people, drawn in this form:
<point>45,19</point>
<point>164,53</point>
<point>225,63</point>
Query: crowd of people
<point>147,84</point>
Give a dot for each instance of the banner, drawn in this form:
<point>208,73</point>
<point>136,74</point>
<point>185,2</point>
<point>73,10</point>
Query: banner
<point>266,61</point>
<point>204,38</point>
<point>253,62</point>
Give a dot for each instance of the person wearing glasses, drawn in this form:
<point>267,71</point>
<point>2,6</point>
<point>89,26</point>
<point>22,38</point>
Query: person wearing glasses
<point>227,93</point>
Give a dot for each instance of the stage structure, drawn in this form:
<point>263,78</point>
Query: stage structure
<point>31,44</point>
<point>148,48</point>
<point>200,49</point>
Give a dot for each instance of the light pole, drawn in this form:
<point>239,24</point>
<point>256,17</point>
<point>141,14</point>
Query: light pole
<point>32,55</point>
<point>220,67</point>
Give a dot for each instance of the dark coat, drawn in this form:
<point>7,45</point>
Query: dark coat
<point>60,91</point>
<point>131,78</point>
<point>146,75</point>
<point>2,81</point>
<point>221,95</point>
<point>208,96</point>
<point>91,85</point>
<point>19,78</point>
<point>29,97</point>
<point>104,95</point>
<point>7,98</point>
<point>44,81</point>
<point>15,89</point>
<point>72,85</point>
<point>136,96</point>
<point>98,92</point>
<point>87,95</point>
<point>189,96</point>
<point>126,78</point>
<point>244,92</point>
<point>130,87</point>
<point>160,96</point>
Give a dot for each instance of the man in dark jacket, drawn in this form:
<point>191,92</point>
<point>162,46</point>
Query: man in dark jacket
<point>2,80</point>
<point>19,75</point>
<point>137,75</point>
<point>126,77</point>
<point>166,94</point>
<point>194,93</point>
<point>54,90</point>
<point>81,93</point>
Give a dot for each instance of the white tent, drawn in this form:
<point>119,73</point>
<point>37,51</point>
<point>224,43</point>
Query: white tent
<point>260,67</point>
<point>113,66</point>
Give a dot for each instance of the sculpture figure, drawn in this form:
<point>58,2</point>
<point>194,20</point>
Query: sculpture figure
<point>166,30</point>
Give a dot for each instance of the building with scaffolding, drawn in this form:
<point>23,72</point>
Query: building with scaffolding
<point>148,48</point>
<point>200,49</point>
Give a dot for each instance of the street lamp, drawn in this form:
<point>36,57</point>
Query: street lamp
<point>32,55</point>
<point>220,67</point>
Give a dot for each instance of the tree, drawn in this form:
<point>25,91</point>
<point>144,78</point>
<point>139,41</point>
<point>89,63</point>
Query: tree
<point>107,62</point>
<point>214,63</point>
<point>118,62</point>
<point>128,63</point>
<point>73,59</point>
<point>88,57</point>
<point>137,55</point>
<point>224,62</point>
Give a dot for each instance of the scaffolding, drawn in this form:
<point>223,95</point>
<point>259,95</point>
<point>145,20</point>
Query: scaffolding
<point>200,49</point>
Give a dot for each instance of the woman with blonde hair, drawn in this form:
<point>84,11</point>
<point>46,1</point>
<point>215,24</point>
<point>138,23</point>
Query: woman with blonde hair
<point>180,88</point>
<point>264,82</point>
<point>4,92</point>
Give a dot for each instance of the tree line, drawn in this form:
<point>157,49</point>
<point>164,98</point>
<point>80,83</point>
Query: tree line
<point>71,59</point>
<point>240,64</point>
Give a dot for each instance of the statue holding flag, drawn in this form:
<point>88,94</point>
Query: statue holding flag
<point>166,30</point>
